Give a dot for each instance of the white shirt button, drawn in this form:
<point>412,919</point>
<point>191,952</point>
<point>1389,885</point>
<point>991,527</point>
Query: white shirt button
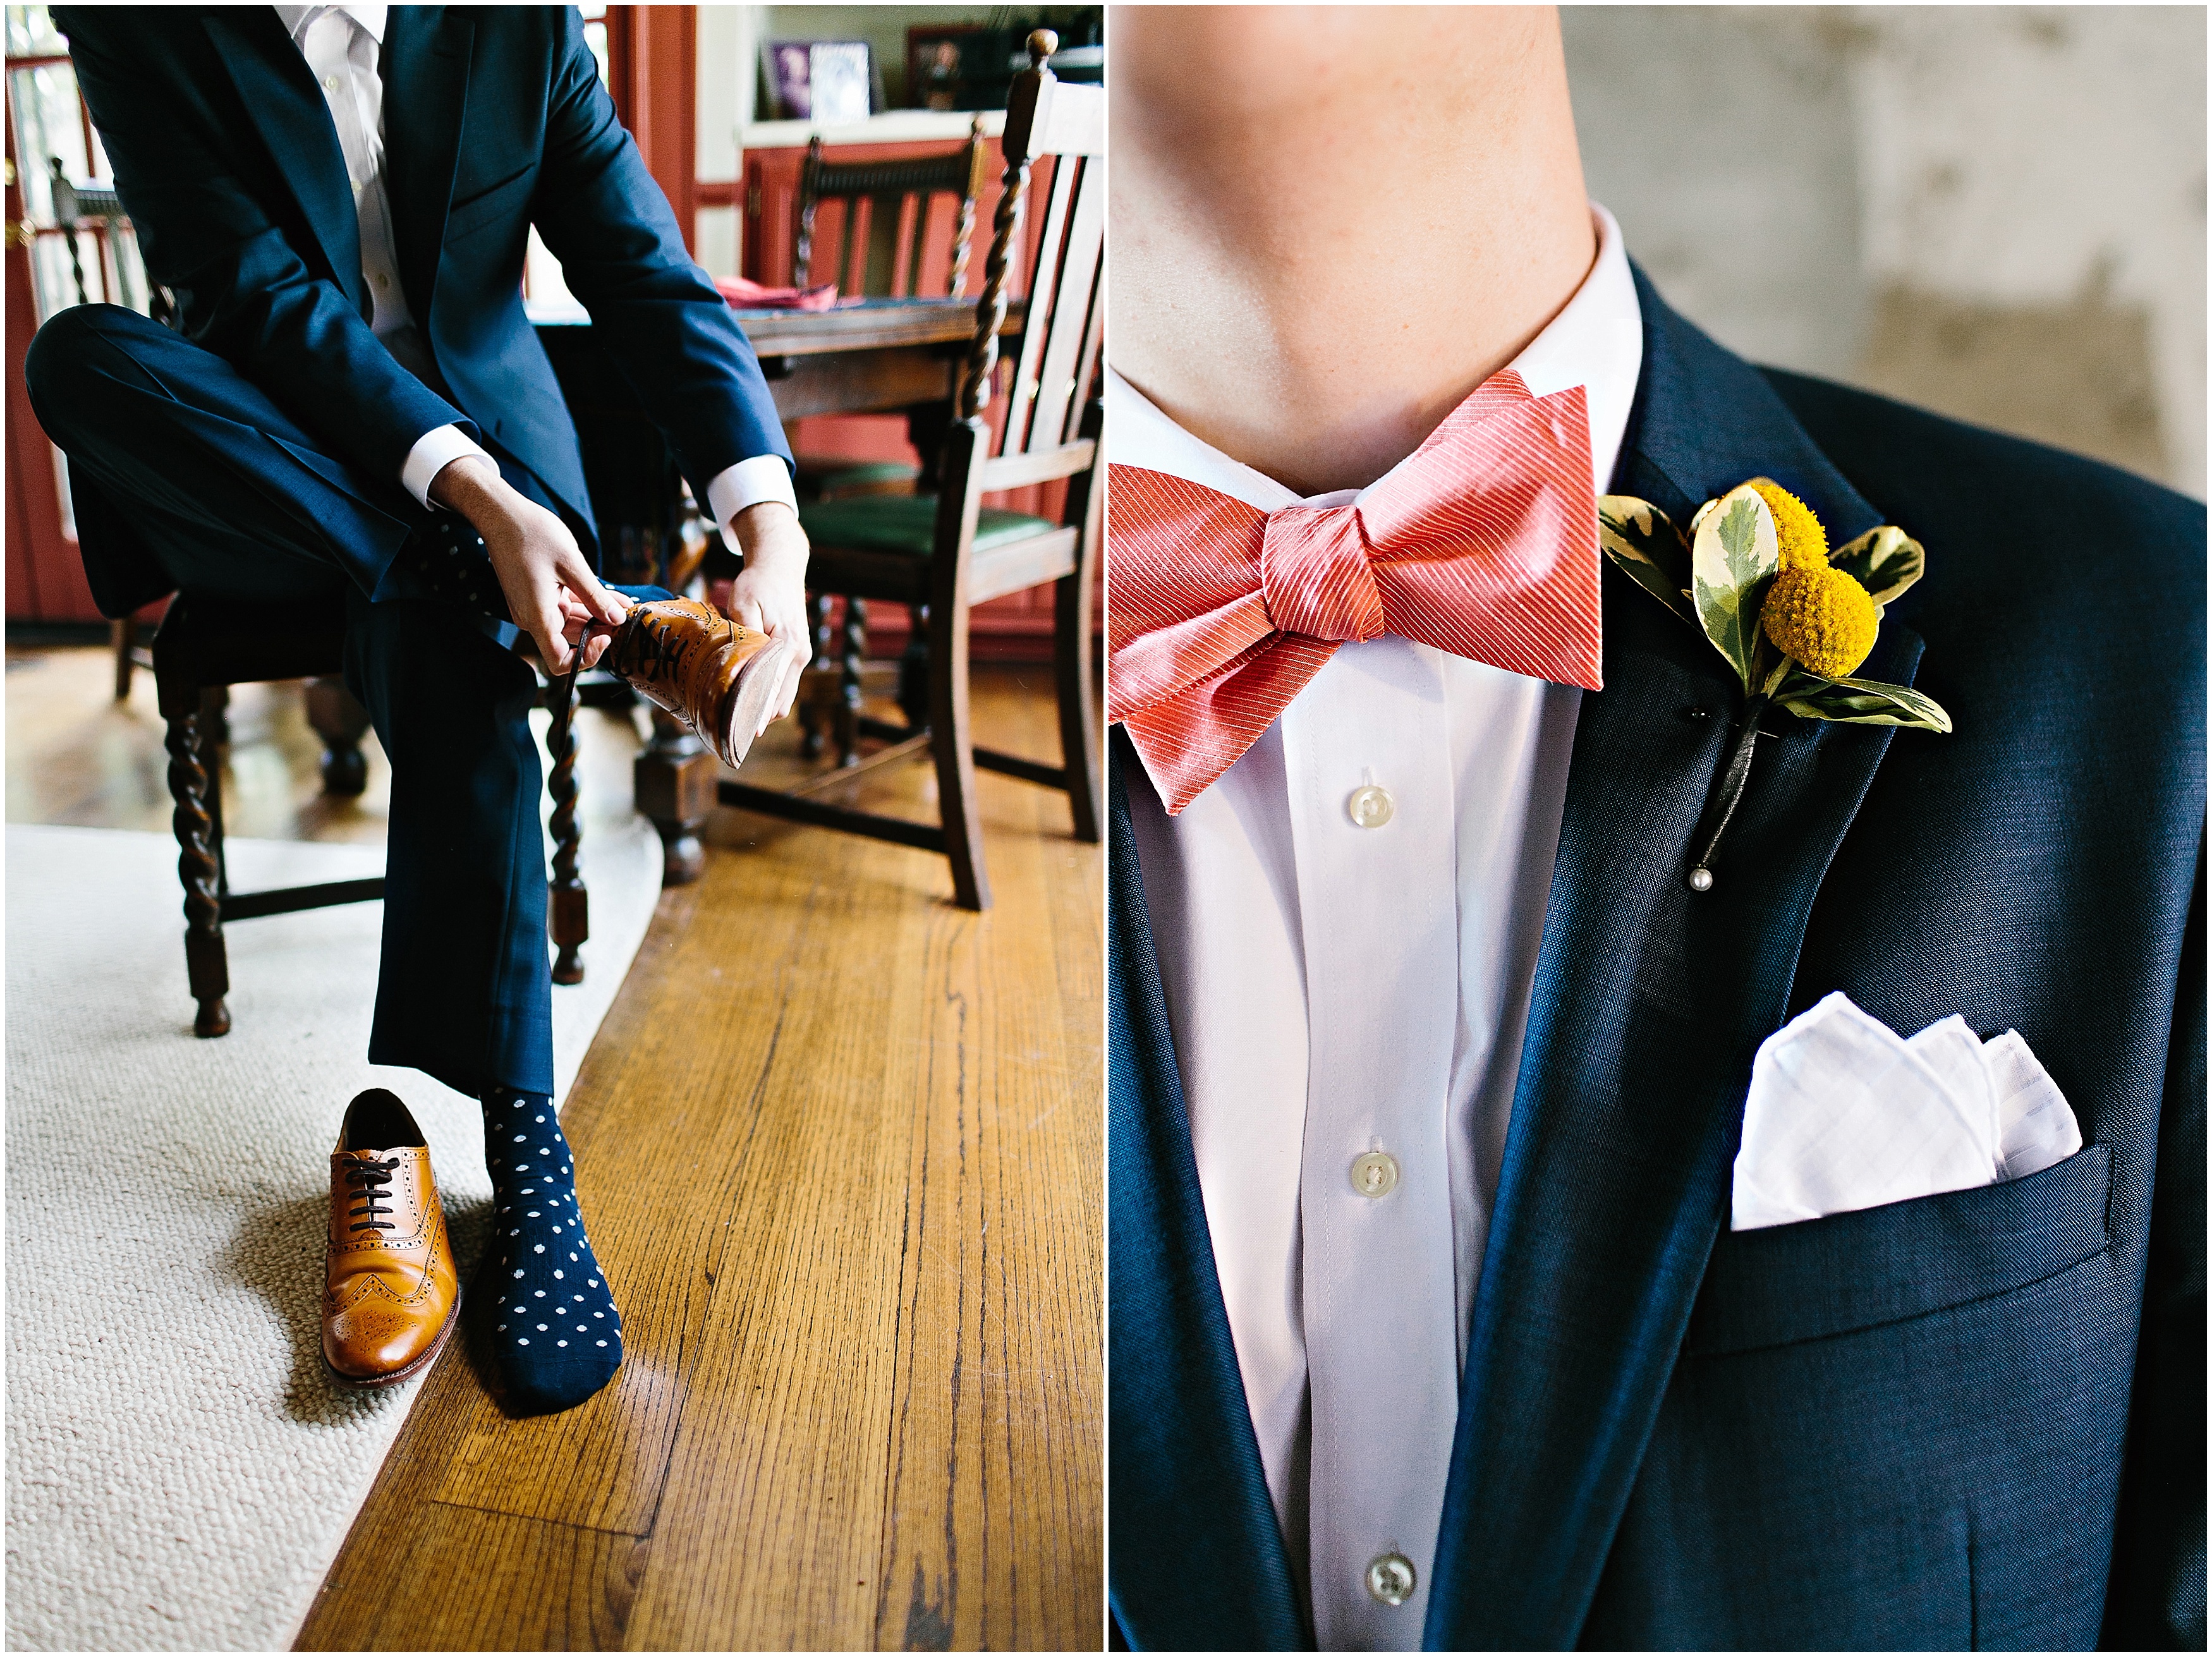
<point>1390,1578</point>
<point>1375,1173</point>
<point>330,83</point>
<point>1371,807</point>
<point>383,281</point>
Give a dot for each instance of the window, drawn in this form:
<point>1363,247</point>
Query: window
<point>543,285</point>
<point>595,36</point>
<point>52,133</point>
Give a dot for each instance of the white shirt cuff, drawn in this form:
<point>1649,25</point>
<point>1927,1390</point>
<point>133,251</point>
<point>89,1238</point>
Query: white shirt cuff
<point>433,451</point>
<point>763,477</point>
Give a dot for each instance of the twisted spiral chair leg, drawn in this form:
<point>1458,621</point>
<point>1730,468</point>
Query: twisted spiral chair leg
<point>811,720</point>
<point>199,869</point>
<point>848,681</point>
<point>571,902</point>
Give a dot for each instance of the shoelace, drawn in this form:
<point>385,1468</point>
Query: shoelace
<point>369,1182</point>
<point>659,649</point>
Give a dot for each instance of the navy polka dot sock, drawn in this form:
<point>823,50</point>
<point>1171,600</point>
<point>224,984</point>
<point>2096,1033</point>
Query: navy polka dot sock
<point>450,558</point>
<point>559,1337</point>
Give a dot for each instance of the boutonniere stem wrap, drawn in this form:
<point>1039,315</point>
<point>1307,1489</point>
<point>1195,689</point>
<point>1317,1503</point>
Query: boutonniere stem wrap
<point>1793,619</point>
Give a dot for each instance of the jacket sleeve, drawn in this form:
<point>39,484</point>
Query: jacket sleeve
<point>665,323</point>
<point>2156,1598</point>
<point>243,290</point>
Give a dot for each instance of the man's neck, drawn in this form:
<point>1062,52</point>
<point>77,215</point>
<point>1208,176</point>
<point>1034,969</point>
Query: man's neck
<point>1311,282</point>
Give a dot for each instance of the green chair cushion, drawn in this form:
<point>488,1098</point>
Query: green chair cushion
<point>832,473</point>
<point>906,523</point>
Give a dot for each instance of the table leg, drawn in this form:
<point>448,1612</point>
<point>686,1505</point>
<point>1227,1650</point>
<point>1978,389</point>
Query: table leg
<point>675,778</point>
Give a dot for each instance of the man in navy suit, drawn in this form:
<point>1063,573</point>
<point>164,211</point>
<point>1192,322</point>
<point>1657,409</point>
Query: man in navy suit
<point>354,406</point>
<point>1428,1058</point>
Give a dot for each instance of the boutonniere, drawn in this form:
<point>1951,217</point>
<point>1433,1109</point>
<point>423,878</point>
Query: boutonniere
<point>1795,620</point>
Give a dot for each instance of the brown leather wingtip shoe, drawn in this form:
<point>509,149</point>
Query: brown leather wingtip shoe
<point>391,1295</point>
<point>714,674</point>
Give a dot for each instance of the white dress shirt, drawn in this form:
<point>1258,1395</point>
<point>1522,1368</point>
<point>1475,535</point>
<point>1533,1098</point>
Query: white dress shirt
<point>343,46</point>
<point>1348,998</point>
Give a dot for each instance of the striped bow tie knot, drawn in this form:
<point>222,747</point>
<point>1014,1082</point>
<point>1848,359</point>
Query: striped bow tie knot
<point>1317,574</point>
<point>1482,543</point>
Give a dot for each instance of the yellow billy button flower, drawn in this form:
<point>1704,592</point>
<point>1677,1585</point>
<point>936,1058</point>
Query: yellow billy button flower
<point>1821,616</point>
<point>1798,537</point>
<point>1754,565</point>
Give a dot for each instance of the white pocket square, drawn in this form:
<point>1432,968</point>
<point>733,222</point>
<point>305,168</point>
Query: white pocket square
<point>1845,1113</point>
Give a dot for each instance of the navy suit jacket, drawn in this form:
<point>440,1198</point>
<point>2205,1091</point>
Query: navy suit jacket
<point>494,119</point>
<point>1975,1419</point>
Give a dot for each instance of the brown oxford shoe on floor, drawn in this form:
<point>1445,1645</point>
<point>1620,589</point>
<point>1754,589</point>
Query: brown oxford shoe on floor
<point>391,1294</point>
<point>716,675</point>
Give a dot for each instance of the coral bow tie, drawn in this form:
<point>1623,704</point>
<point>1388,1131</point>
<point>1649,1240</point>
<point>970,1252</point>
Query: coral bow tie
<point>1482,543</point>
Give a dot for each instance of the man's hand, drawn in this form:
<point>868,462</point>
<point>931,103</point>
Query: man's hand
<point>550,588</point>
<point>770,592</point>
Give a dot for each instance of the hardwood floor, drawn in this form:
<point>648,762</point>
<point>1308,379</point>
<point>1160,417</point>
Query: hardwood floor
<point>840,1147</point>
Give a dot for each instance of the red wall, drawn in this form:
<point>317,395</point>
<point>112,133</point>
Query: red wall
<point>45,578</point>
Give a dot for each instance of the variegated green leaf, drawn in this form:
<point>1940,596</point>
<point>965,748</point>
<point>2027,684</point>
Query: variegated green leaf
<point>1885,560</point>
<point>1861,701</point>
<point>1732,559</point>
<point>1644,541</point>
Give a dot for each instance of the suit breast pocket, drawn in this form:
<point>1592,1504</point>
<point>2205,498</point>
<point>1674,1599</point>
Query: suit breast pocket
<point>1878,1265</point>
<point>489,204</point>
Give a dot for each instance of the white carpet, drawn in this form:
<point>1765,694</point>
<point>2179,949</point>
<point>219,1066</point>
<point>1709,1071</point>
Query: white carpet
<point>180,1473</point>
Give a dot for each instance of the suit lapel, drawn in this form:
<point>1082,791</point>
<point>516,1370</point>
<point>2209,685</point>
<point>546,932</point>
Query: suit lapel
<point>287,109</point>
<point>1648,1002</point>
<point>1198,1561</point>
<point>426,81</point>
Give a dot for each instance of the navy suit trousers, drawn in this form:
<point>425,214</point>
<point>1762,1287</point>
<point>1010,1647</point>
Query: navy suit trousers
<point>237,501</point>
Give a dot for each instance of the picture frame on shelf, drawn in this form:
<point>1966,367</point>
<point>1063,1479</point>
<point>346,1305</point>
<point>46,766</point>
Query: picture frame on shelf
<point>830,82</point>
<point>940,62</point>
<point>972,65</point>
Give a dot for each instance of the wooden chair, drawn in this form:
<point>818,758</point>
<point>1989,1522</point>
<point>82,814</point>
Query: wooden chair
<point>650,531</point>
<point>201,650</point>
<point>879,254</point>
<point>947,551</point>
<point>877,260</point>
<point>132,654</point>
<point>872,259</point>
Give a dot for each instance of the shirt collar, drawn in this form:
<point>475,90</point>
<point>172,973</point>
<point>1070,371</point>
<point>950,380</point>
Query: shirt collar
<point>297,19</point>
<point>1596,341</point>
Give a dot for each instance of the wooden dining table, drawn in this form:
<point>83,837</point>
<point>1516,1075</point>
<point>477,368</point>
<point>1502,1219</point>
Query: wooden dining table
<point>861,358</point>
<point>878,355</point>
<point>873,357</point>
